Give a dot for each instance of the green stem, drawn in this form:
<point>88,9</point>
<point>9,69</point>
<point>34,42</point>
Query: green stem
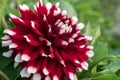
<point>4,22</point>
<point>4,76</point>
<point>105,58</point>
<point>18,2</point>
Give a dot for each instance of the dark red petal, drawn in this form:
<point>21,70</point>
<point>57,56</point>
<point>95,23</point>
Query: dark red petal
<point>32,40</point>
<point>26,12</point>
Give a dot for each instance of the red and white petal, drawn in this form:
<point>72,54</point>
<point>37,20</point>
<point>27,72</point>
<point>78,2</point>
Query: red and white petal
<point>18,58</point>
<point>26,12</point>
<point>31,69</point>
<point>6,43</point>
<point>6,37</point>
<point>9,32</point>
<point>35,26</point>
<point>84,65</point>
<point>25,57</point>
<point>8,53</point>
<point>45,71</point>
<point>90,53</point>
<point>31,40</point>
<point>79,26</point>
<point>72,76</point>
<point>13,45</point>
<point>36,76</point>
<point>74,20</point>
<point>55,78</point>
<point>24,72</point>
<point>47,78</point>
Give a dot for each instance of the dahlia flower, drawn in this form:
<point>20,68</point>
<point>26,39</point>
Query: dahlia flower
<point>46,43</point>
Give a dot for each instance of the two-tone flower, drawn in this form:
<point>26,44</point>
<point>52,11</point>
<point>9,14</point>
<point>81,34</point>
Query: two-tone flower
<point>46,43</point>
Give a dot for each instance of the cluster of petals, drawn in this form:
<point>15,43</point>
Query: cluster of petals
<point>46,43</point>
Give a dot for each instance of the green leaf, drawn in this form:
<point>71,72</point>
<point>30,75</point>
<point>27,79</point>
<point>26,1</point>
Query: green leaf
<point>88,29</point>
<point>107,77</point>
<point>20,78</point>
<point>3,60</point>
<point>115,52</point>
<point>106,71</point>
<point>113,65</point>
<point>1,31</point>
<point>2,8</point>
<point>118,73</point>
<point>96,34</point>
<point>101,52</point>
<point>11,72</point>
<point>64,5</point>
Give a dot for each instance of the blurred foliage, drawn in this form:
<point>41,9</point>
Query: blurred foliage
<point>99,17</point>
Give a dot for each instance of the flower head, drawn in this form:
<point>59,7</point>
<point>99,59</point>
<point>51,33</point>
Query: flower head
<point>46,43</point>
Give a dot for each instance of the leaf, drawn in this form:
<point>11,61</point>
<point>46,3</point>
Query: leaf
<point>3,60</point>
<point>20,78</point>
<point>11,72</point>
<point>115,52</point>
<point>88,29</point>
<point>118,73</point>
<point>64,5</point>
<point>101,52</point>
<point>96,34</point>
<point>1,30</point>
<point>107,77</point>
<point>113,65</point>
<point>2,8</point>
<point>106,71</point>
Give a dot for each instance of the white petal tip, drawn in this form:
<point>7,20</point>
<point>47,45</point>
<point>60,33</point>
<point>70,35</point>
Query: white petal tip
<point>63,63</point>
<point>24,73</point>
<point>89,38</point>
<point>45,71</point>
<point>71,40</point>
<point>84,65</point>
<point>27,38</point>
<point>25,57</point>
<point>18,58</point>
<point>74,20</point>
<point>13,46</point>
<point>36,76</point>
<point>24,7</point>
<point>6,37</point>
<point>64,12</point>
<point>90,53</point>
<point>31,70</point>
<point>7,54</point>
<point>75,35</point>
<point>57,4</point>
<point>77,61</point>
<point>10,32</point>
<point>48,5</point>
<point>82,46</point>
<point>47,78</point>
<point>56,12</point>
<point>6,43</point>
<point>79,69</point>
<point>64,43</point>
<point>12,16</point>
<point>72,76</point>
<point>55,78</point>
<point>80,26</point>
